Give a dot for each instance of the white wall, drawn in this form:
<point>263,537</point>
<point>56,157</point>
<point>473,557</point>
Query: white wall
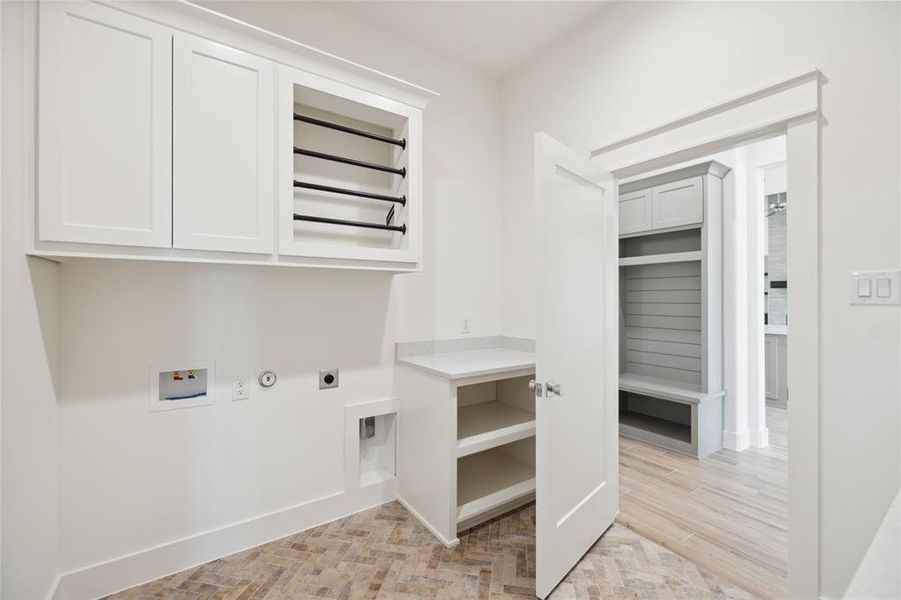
<point>128,479</point>
<point>639,64</point>
<point>28,294</point>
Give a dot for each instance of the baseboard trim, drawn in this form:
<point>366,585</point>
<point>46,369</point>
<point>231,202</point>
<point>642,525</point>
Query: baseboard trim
<point>447,543</point>
<point>53,587</point>
<point>736,440</point>
<point>760,438</point>
<point>127,571</point>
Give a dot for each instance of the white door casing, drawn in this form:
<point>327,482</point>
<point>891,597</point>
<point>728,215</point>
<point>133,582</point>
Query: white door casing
<point>577,490</point>
<point>224,148</point>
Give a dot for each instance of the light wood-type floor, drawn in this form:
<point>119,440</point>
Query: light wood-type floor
<point>727,513</point>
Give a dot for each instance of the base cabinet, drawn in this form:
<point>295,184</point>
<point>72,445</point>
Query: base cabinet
<point>466,447</point>
<point>776,370</point>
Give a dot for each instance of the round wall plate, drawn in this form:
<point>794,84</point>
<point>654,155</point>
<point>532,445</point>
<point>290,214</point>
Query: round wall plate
<point>268,379</point>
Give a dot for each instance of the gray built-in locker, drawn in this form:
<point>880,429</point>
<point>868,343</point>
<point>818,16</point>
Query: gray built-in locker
<point>671,316</point>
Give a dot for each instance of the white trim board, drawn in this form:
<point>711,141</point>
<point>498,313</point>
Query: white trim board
<point>788,107</point>
<point>742,119</point>
<point>123,572</point>
<point>283,49</point>
<point>748,97</point>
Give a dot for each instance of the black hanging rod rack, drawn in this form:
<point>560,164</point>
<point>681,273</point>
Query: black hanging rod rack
<point>351,130</point>
<point>402,200</point>
<point>350,161</point>
<point>364,224</point>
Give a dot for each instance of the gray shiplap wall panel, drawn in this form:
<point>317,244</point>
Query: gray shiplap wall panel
<point>674,348</point>
<point>663,320</point>
<point>664,373</point>
<point>689,323</point>
<point>664,296</point>
<point>664,283</point>
<point>663,335</point>
<point>662,309</point>
<point>664,360</point>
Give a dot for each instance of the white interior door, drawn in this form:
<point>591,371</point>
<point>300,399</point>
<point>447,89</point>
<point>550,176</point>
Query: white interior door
<point>577,495</point>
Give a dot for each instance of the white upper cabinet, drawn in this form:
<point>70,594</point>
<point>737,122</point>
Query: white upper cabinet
<point>677,204</point>
<point>224,148</point>
<point>350,172</point>
<point>164,135</point>
<point>104,127</point>
<point>635,212</point>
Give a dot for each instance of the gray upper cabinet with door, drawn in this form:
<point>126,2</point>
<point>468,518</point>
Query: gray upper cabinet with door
<point>173,143</point>
<point>661,204</point>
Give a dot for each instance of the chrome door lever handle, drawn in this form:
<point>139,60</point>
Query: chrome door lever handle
<point>553,388</point>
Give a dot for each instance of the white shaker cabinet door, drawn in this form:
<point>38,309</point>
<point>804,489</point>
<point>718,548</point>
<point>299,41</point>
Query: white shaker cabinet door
<point>104,137</point>
<point>224,145</point>
<point>679,203</point>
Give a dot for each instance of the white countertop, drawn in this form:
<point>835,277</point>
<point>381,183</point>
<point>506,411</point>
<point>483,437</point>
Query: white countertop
<point>472,363</point>
<point>776,329</point>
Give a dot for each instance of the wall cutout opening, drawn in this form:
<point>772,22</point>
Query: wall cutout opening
<point>378,435</point>
<point>181,385</point>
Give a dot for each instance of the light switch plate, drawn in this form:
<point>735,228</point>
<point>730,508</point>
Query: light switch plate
<point>875,287</point>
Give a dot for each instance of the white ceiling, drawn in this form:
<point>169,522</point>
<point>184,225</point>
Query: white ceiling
<point>493,37</point>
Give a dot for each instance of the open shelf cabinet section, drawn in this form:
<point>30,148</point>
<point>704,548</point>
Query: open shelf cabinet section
<point>489,481</point>
<point>351,172</point>
<point>491,424</point>
<point>467,436</point>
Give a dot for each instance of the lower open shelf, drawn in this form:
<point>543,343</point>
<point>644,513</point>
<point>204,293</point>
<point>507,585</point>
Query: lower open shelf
<point>648,425</point>
<point>490,480</point>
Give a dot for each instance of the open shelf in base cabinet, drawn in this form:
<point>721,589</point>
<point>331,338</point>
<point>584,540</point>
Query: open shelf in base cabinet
<point>466,446</point>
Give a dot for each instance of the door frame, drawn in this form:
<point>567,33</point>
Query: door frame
<point>790,107</point>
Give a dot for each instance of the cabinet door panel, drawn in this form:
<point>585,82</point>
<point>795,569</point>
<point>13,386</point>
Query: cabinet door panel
<point>635,212</point>
<point>678,203</point>
<point>771,363</point>
<point>224,143</point>
<point>104,127</point>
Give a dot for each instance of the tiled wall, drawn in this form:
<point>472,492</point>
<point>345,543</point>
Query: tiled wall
<point>776,267</point>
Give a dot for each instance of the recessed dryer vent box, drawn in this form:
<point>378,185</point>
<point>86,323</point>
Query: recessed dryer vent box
<point>181,385</point>
<point>378,435</point>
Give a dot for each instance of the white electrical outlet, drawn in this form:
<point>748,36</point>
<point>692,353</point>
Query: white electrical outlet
<point>467,325</point>
<point>240,388</point>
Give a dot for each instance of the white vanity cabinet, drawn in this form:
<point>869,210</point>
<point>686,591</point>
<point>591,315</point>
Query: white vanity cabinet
<point>104,127</point>
<point>205,140</point>
<point>224,148</point>
<point>466,436</point>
